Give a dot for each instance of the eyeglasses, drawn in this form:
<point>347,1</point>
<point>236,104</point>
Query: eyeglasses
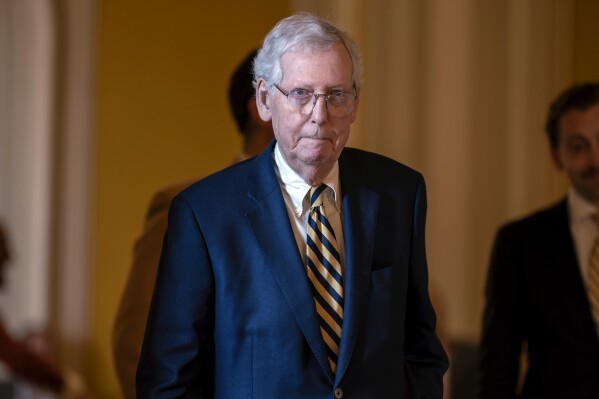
<point>339,103</point>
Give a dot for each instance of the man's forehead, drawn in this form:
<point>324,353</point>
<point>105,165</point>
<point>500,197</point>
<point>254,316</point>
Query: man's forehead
<point>576,118</point>
<point>311,49</point>
<point>304,65</point>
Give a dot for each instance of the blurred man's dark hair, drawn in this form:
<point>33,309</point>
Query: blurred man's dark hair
<point>579,97</point>
<point>241,89</point>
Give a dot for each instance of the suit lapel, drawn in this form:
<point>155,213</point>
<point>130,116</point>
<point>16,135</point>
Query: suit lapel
<point>271,226</point>
<point>563,255</point>
<point>360,210</point>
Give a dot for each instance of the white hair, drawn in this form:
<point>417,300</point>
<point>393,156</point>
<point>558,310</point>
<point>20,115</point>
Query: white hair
<point>302,31</point>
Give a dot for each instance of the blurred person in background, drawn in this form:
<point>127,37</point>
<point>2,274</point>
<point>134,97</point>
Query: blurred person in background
<point>542,290</point>
<point>130,322</point>
<point>31,361</point>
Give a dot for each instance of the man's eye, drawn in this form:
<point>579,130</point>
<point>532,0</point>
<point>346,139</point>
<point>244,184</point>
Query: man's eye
<point>576,147</point>
<point>337,97</point>
<point>300,93</point>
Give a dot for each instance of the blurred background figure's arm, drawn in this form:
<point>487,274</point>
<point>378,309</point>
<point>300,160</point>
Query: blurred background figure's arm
<point>27,364</point>
<point>130,322</point>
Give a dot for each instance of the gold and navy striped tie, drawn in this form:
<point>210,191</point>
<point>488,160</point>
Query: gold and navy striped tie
<point>593,281</point>
<point>325,274</point>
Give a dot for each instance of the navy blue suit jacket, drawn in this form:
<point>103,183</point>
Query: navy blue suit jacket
<point>233,315</point>
<point>535,295</point>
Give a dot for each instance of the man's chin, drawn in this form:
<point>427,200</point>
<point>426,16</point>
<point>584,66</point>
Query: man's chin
<point>316,159</point>
<point>315,145</point>
<point>314,152</point>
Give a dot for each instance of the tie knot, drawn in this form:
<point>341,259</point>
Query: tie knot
<point>316,194</point>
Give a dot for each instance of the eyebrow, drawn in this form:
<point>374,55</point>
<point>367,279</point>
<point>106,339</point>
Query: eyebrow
<point>327,91</point>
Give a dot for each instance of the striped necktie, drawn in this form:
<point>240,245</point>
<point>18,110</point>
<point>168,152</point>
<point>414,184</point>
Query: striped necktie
<point>593,280</point>
<point>325,274</point>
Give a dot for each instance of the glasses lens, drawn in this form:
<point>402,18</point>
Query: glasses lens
<point>338,103</point>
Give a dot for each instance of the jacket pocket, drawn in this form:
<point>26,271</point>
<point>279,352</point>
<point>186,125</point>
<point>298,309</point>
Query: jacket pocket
<point>383,275</point>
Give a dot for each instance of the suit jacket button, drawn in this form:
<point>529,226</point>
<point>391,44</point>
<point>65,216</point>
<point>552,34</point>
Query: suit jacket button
<point>338,393</point>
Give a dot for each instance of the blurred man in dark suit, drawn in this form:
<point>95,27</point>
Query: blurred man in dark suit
<point>543,282</point>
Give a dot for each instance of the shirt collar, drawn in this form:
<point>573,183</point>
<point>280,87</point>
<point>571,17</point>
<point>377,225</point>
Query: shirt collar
<point>297,188</point>
<point>580,209</point>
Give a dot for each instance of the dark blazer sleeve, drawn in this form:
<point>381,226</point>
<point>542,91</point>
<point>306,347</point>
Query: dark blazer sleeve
<point>502,321</point>
<point>176,357</point>
<point>425,357</point>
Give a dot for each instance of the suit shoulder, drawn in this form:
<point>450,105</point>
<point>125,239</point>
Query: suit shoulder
<point>379,172</point>
<point>224,182</point>
<point>369,162</point>
<point>541,221</point>
<point>162,198</point>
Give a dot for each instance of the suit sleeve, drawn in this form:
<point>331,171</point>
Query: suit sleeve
<point>426,360</point>
<point>501,331</point>
<point>130,321</point>
<point>176,356</point>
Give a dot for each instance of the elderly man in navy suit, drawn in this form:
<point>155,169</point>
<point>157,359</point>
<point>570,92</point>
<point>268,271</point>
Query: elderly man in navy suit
<point>543,283</point>
<point>300,273</point>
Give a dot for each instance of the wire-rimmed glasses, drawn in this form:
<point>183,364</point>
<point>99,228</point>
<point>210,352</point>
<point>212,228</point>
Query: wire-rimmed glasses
<point>339,103</point>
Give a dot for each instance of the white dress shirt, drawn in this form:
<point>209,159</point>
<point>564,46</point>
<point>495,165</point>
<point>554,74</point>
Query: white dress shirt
<point>295,192</point>
<point>583,227</point>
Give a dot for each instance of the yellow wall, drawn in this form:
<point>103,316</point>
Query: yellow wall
<point>162,117</point>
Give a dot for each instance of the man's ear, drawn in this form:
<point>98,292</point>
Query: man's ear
<point>263,100</point>
<point>255,117</point>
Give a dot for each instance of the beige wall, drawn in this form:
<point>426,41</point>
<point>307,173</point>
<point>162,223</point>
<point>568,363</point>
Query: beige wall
<point>162,117</point>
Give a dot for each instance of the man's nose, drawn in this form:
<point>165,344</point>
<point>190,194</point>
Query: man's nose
<point>319,112</point>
